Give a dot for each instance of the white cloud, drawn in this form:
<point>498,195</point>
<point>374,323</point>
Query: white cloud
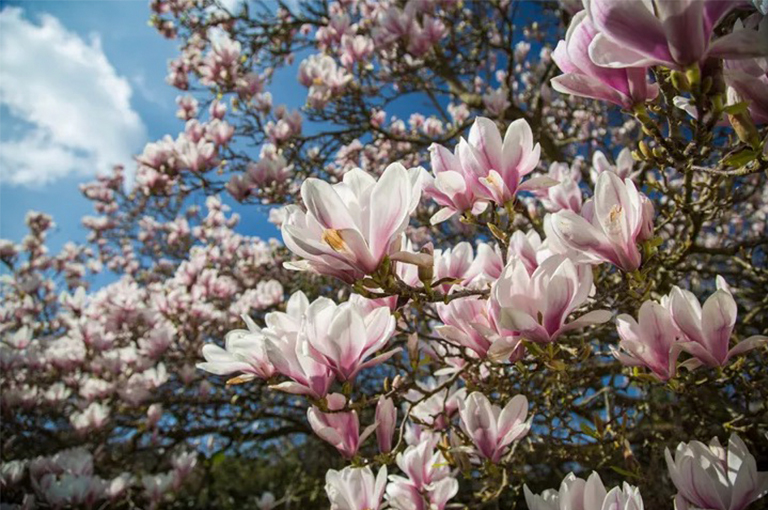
<point>73,109</point>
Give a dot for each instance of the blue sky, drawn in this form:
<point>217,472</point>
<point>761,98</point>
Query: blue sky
<point>82,86</point>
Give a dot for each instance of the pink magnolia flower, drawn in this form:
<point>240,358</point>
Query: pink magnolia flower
<point>244,352</point>
<point>501,165</point>
<point>714,478</point>
<point>427,484</point>
<point>337,427</point>
<point>566,194</point>
<point>341,337</point>
<point>386,420</point>
<point>490,428</point>
<point>610,225</point>
<point>289,354</point>
<point>469,322</point>
<point>351,226</point>
<point>355,488</point>
<point>707,330</point>
<point>453,186</point>
<point>652,341</point>
<point>672,33</point>
<point>537,305</point>
<point>579,494</point>
<point>624,87</point>
<point>623,167</point>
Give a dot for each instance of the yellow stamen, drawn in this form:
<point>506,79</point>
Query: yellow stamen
<point>332,238</point>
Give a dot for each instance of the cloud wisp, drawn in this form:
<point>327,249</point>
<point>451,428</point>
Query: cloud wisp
<point>68,110</point>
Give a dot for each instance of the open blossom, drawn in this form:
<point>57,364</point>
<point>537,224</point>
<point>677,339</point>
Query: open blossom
<point>289,353</point>
<point>610,225</point>
<point>566,194</point>
<point>579,494</point>
<point>672,33</point>
<point>343,336</point>
<point>351,226</point>
<point>747,79</point>
<point>469,322</point>
<point>715,478</point>
<point>500,166</point>
<point>244,352</point>
<point>453,186</point>
<point>652,341</point>
<point>355,488</point>
<point>427,484</point>
<point>581,77</point>
<point>623,167</point>
<point>537,305</point>
<point>339,428</point>
<point>707,330</point>
<point>491,429</point>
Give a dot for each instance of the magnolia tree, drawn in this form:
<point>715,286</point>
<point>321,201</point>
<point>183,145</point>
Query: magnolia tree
<point>523,265</point>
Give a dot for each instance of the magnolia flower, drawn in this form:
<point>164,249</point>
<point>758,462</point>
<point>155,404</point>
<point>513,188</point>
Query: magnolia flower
<point>707,330</point>
<point>623,167</point>
<point>339,428</point>
<point>672,33</point>
<point>652,342</point>
<point>490,428</point>
<point>289,354</point>
<point>566,194</point>
<point>469,322</point>
<point>386,420</point>
<point>578,494</point>
<point>713,478</point>
<point>453,187</point>
<point>610,225</point>
<point>624,87</point>
<point>244,351</point>
<point>355,488</point>
<point>536,305</point>
<point>342,336</point>
<point>501,165</point>
<point>351,226</point>
<point>428,484</point>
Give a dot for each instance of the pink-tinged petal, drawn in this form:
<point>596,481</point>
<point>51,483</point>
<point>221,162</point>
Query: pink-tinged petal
<point>594,492</point>
<point>586,86</point>
<point>390,200</point>
<point>293,388</point>
<point>326,205</point>
<point>718,317</point>
<point>740,44</point>
<point>609,53</point>
<point>504,348</point>
<point>686,312</point>
<point>588,319</point>
<point>516,320</point>
<point>538,183</point>
<point>485,138</point>
<point>450,183</point>
<point>513,414</point>
<point>631,24</point>
<point>751,343</point>
<point>561,58</point>
<point>714,11</point>
<point>442,215</point>
<point>443,160</point>
<point>580,235</point>
<point>378,360</point>
<point>691,364</point>
<point>518,143</point>
<point>471,162</point>
<point>683,22</point>
<point>700,352</point>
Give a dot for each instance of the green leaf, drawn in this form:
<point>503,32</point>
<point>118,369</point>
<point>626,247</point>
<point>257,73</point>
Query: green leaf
<point>735,109</point>
<point>741,158</point>
<point>624,472</point>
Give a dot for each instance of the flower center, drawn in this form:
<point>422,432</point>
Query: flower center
<point>332,238</point>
